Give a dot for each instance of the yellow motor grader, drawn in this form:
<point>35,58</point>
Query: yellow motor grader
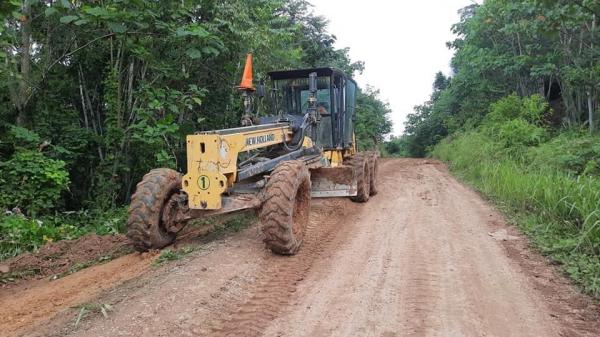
<point>305,148</point>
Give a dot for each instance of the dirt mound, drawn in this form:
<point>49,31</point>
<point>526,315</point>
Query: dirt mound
<point>60,257</point>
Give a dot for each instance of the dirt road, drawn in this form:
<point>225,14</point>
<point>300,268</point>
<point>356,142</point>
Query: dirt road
<point>425,257</point>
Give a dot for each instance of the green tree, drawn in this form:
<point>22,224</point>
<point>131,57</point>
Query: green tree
<point>525,47</point>
<point>112,87</point>
<point>373,121</point>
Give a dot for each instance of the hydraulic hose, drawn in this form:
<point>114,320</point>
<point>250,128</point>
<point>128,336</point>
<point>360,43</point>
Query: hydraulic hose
<point>302,131</point>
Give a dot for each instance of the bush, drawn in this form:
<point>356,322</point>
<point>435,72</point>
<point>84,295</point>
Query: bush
<point>574,152</point>
<point>32,182</point>
<point>517,122</point>
<point>19,233</point>
<point>532,109</point>
<point>395,147</point>
<point>519,133</point>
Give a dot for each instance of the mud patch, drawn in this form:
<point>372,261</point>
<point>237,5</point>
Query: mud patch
<point>63,257</point>
<point>336,175</point>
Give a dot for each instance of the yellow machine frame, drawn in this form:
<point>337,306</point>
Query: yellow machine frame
<point>212,159</point>
<point>336,157</point>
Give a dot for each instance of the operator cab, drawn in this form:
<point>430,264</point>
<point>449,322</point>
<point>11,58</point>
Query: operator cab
<point>336,100</point>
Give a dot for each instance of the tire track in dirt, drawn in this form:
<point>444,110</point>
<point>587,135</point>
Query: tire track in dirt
<point>428,267</point>
<point>233,286</point>
<point>278,282</point>
<point>421,294</point>
<point>365,251</point>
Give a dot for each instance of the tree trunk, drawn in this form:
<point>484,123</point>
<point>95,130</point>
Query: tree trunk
<point>24,81</point>
<point>590,110</point>
<point>590,101</point>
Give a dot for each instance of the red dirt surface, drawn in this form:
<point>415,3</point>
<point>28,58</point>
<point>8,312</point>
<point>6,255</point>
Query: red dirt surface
<point>426,256</point>
<point>36,303</point>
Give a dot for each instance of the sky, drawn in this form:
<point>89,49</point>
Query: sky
<point>403,45</point>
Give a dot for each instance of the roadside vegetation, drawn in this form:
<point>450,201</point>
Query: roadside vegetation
<point>548,184</point>
<point>94,94</point>
<point>517,119</point>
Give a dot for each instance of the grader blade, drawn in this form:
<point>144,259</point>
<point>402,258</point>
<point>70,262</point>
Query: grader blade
<point>333,182</point>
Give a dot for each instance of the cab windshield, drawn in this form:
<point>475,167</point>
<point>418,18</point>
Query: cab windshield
<point>294,95</point>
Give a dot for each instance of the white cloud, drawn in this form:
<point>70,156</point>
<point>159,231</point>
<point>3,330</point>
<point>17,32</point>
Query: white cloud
<point>402,43</point>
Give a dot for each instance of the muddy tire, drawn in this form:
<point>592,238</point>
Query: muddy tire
<point>144,225</point>
<point>285,208</point>
<point>374,168</point>
<point>362,171</point>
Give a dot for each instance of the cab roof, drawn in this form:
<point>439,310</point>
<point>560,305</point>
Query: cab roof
<point>299,73</point>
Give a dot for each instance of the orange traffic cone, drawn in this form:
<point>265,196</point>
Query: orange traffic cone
<point>246,83</point>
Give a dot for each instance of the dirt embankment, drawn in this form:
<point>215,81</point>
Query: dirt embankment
<point>58,258</point>
<point>425,257</point>
<point>55,278</point>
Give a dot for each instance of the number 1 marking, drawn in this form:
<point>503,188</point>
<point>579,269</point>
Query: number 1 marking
<point>204,183</point>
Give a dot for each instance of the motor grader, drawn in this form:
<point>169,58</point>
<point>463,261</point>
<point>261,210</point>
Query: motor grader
<point>303,148</point>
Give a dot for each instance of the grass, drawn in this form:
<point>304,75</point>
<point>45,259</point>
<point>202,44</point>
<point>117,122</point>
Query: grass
<point>174,254</point>
<point>559,211</point>
<point>10,277</point>
<point>85,308</point>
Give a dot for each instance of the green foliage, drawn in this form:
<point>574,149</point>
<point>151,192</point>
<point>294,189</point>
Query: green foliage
<point>533,110</point>
<point>31,181</point>
<point>518,132</point>
<point>574,152</point>
<point>372,120</point>
<point>22,138</point>
<point>427,126</point>
<point>520,48</point>
<point>19,233</point>
<point>108,90</point>
<point>515,121</point>
<point>396,147</point>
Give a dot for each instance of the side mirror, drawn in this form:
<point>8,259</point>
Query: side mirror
<point>312,82</point>
<point>260,90</point>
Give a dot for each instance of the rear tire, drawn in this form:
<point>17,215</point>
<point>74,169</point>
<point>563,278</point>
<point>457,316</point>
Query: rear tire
<point>374,163</point>
<point>286,206</point>
<point>144,224</point>
<point>363,178</point>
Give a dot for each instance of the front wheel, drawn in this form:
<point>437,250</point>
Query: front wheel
<point>145,225</point>
<point>286,206</point>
